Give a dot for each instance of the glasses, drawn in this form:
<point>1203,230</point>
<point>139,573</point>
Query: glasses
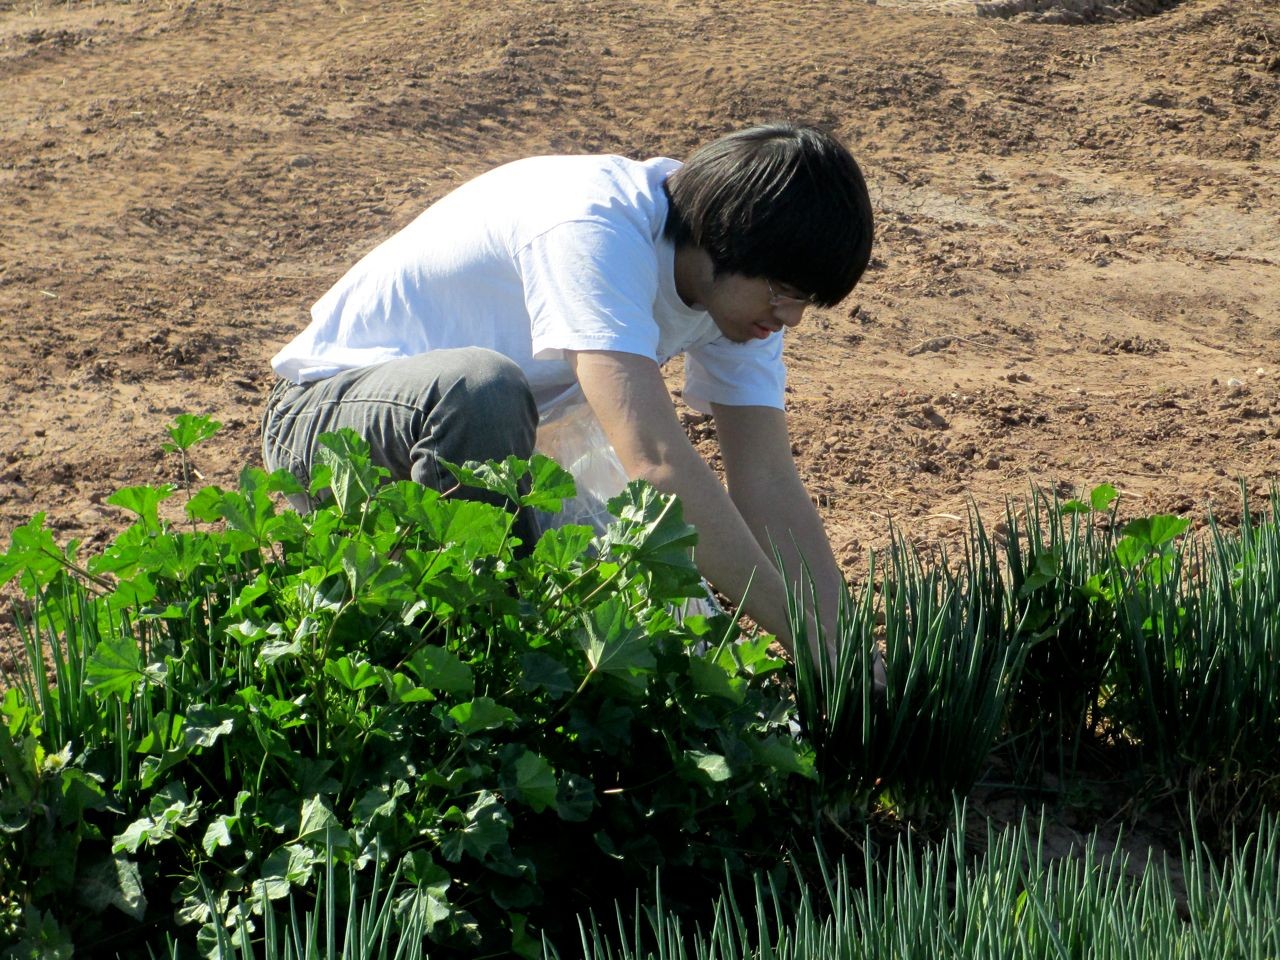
<point>781,299</point>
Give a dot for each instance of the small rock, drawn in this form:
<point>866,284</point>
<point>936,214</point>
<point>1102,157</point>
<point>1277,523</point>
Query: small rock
<point>933,417</point>
<point>301,161</point>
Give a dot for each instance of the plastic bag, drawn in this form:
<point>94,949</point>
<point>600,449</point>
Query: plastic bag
<point>570,434</point>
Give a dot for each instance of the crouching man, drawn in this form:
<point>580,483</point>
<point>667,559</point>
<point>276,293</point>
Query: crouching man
<point>443,341</point>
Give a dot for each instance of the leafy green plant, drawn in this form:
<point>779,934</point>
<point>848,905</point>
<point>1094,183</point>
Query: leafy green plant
<point>390,682</point>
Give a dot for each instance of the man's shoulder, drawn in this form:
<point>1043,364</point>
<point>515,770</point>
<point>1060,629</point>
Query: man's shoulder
<point>587,168</point>
<point>544,190</point>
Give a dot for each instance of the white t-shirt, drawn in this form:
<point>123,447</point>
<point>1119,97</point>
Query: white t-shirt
<point>532,259</point>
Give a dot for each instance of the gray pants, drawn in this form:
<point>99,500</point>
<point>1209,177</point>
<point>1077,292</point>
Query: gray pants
<point>455,405</point>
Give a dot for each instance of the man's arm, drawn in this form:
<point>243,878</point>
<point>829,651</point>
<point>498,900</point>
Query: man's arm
<point>630,399</point>
<point>771,497</point>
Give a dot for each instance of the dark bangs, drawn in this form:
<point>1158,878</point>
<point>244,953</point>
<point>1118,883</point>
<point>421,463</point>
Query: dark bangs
<point>780,201</point>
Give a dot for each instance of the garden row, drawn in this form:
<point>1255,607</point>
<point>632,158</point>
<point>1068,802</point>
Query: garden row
<point>220,716</point>
<point>934,902</point>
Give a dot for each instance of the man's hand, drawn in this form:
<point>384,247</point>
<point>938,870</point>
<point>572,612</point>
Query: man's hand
<point>769,494</point>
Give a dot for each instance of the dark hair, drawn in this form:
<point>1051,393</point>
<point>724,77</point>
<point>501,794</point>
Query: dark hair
<point>780,201</point>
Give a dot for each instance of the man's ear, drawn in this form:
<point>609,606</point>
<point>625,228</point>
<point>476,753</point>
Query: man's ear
<point>695,273</point>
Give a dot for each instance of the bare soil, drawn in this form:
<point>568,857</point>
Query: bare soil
<point>1076,278</point>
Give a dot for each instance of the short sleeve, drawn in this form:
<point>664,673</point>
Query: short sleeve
<point>590,285</point>
<point>735,374</point>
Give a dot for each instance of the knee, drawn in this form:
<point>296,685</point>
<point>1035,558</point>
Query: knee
<point>491,372</point>
<point>497,390</point>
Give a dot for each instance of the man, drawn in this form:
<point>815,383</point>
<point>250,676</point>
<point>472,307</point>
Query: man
<point>443,341</point>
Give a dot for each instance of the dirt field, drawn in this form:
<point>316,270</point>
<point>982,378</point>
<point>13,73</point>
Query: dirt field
<point>1077,273</point>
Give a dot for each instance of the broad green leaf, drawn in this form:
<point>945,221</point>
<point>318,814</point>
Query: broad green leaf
<point>250,510</point>
<point>523,944</point>
<point>218,834</point>
<point>711,679</point>
<point>113,882</point>
<point>482,713</point>
<point>457,778</point>
<point>1098,587</point>
<point>610,727</point>
<point>81,791</point>
<point>378,802</point>
<point>755,656</point>
<point>785,755</point>
<point>206,723</point>
<point>439,670</point>
<point>352,476</point>
<point>287,865</point>
<point>115,668</point>
<point>32,550</point>
<point>1166,528</point>
<point>1130,551</point>
<point>312,776</point>
<point>535,781</point>
<point>361,564</point>
<point>144,830</point>
<point>561,547</point>
<point>275,650</point>
<point>172,807</point>
<point>400,689</point>
<point>485,828</point>
<point>247,631</point>
<point>503,478</point>
<point>15,711</point>
<point>541,670</point>
<point>612,642</point>
<point>409,502</point>
<point>187,430</point>
<point>133,594</point>
<point>144,501</point>
<point>282,481</point>
<point>219,831</point>
<point>651,532</point>
<point>549,485</point>
<point>1102,496</point>
<point>478,529</point>
<point>430,887</point>
<point>1045,571</point>
<point>206,504</point>
<point>353,676</point>
<point>153,768</point>
<point>319,824</point>
<point>1154,532</point>
<point>575,798</point>
<point>712,765</point>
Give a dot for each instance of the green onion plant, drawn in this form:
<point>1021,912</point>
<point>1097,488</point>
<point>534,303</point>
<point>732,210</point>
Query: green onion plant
<point>1200,688</point>
<point>952,652</point>
<point>1053,552</point>
<point>1013,902</point>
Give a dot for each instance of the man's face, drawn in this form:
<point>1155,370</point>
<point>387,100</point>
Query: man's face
<point>752,308</point>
